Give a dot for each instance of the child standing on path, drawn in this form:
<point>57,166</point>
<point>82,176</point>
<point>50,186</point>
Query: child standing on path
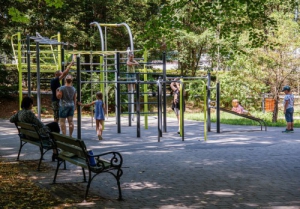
<point>99,113</point>
<point>288,105</point>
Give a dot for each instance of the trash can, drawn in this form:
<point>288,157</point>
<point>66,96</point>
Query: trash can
<point>269,104</point>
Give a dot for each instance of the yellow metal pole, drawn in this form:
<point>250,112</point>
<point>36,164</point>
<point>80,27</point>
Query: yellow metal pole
<point>59,51</point>
<point>102,74</point>
<point>145,89</point>
<point>20,69</point>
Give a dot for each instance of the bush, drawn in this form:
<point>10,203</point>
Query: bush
<point>8,80</point>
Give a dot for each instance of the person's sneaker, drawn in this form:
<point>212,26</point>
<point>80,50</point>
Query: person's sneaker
<point>292,130</point>
<point>286,131</point>
<point>100,137</point>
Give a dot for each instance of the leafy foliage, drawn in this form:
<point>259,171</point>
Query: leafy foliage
<point>7,82</point>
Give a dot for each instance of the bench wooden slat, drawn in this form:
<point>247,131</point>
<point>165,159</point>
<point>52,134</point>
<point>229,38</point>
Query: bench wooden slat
<point>65,139</point>
<point>75,160</point>
<point>72,149</point>
<point>27,126</point>
<point>30,134</point>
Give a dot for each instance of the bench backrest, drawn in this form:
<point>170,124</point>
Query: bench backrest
<point>69,144</point>
<point>28,131</point>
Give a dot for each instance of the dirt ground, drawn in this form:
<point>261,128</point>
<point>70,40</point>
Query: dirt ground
<point>9,106</point>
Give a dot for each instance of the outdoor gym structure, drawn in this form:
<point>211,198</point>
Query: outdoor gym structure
<point>35,56</point>
<point>53,58</point>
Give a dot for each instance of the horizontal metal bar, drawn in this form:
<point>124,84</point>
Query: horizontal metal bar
<point>98,71</point>
<point>142,113</point>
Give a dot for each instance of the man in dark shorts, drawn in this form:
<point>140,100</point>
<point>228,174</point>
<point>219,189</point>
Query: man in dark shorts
<point>55,83</point>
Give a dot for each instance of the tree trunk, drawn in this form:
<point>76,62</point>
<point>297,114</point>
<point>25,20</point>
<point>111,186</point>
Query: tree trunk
<point>275,111</point>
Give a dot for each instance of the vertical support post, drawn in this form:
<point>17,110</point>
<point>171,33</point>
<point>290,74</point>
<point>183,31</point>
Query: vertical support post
<point>59,56</point>
<point>159,109</point>
<point>78,96</point>
<point>218,107</point>
<point>116,80</point>
<point>138,106</point>
<point>182,107</point>
<point>118,107</point>
<point>208,101</point>
<point>20,69</point>
<point>145,90</point>
<point>263,103</point>
<point>62,63</point>
<point>28,65</point>
<point>164,93</point>
<point>205,111</point>
<point>38,85</point>
<point>102,74</point>
<point>129,92</point>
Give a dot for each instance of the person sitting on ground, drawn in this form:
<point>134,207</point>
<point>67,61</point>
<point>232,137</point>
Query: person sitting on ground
<point>27,116</point>
<point>236,107</point>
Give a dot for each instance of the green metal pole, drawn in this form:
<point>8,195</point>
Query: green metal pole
<point>145,89</point>
<point>102,74</point>
<point>20,69</point>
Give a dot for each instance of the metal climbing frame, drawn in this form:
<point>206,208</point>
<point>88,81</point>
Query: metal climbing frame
<point>161,104</point>
<point>24,52</point>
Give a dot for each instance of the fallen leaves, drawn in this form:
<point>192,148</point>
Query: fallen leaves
<point>17,191</point>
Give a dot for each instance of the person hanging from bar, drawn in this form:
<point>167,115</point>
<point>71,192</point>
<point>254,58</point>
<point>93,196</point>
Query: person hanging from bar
<point>131,76</point>
<point>175,86</point>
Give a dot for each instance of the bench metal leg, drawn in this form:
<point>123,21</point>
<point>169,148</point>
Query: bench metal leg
<point>84,177</point>
<point>41,158</point>
<point>57,168</point>
<point>119,174</point>
<point>88,186</point>
<point>21,146</point>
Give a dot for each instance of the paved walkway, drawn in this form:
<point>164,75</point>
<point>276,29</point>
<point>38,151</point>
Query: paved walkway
<point>241,167</point>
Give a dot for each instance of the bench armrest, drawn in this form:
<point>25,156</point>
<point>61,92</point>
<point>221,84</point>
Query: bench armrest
<point>115,159</point>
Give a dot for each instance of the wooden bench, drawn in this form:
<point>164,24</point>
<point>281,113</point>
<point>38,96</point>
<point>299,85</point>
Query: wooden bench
<point>29,133</point>
<point>75,152</point>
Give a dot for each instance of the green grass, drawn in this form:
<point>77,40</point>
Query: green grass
<point>227,118</point>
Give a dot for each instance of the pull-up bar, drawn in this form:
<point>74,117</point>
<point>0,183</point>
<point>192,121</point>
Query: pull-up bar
<point>98,25</point>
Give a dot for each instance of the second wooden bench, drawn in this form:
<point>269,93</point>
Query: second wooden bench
<point>75,152</point>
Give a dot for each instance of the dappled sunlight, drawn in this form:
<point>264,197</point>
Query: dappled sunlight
<point>221,193</point>
<point>13,156</point>
<point>212,162</point>
<point>6,148</point>
<point>142,185</point>
<point>87,204</point>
